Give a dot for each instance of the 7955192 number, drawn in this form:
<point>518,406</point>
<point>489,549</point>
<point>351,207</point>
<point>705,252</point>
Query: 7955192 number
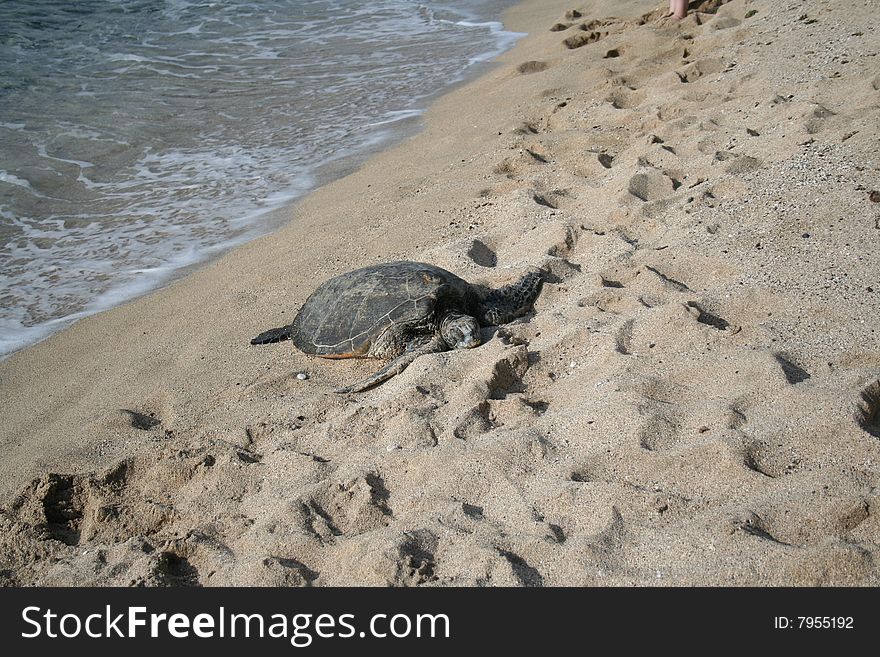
<point>825,622</point>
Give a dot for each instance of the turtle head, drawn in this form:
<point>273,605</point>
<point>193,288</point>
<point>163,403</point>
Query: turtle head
<point>460,331</point>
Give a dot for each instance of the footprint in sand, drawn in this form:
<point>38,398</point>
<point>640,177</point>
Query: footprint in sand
<point>346,508</point>
<point>552,199</point>
<point>794,373</point>
<point>626,98</point>
<point>650,186</point>
<point>623,338</point>
<point>743,164</point>
<point>275,571</point>
<point>527,128</point>
<point>770,460</point>
<point>506,168</point>
<point>173,569</point>
<point>668,281</point>
<point>474,422</point>
<point>532,66</point>
<point>142,421</point>
<point>537,155</point>
<point>703,316</point>
<point>724,23</point>
<point>700,69</point>
<point>614,53</point>
<point>752,524</point>
<point>610,282</point>
<point>416,558</point>
<point>661,431</point>
<point>613,302</point>
<point>526,575</point>
<point>482,254</point>
<point>583,39</point>
<point>63,500</point>
<point>815,118</point>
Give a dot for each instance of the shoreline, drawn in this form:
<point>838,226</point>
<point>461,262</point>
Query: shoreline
<point>383,135</point>
<point>694,401</point>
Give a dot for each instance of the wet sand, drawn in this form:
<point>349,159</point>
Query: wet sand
<point>694,400</point>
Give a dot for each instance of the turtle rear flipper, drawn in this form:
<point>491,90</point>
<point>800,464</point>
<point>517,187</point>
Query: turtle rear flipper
<point>416,348</point>
<point>274,335</point>
<point>511,301</point>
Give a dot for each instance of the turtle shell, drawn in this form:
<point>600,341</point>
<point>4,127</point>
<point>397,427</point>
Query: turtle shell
<point>343,317</point>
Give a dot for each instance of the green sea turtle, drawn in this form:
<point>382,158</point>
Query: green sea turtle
<point>399,311</point>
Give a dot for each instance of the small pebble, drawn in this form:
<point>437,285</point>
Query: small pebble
<point>302,376</point>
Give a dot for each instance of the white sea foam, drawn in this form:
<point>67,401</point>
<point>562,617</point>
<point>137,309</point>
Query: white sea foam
<point>12,179</point>
<point>393,116</point>
<point>504,39</point>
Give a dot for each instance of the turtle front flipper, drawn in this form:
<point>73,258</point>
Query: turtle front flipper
<point>511,301</point>
<point>274,335</point>
<point>416,348</point>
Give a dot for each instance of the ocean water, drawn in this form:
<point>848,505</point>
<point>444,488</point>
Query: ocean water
<point>140,137</point>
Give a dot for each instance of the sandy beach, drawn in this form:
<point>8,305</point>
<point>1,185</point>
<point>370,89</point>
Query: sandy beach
<point>695,399</point>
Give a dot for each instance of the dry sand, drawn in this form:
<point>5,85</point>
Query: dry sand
<point>694,400</point>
